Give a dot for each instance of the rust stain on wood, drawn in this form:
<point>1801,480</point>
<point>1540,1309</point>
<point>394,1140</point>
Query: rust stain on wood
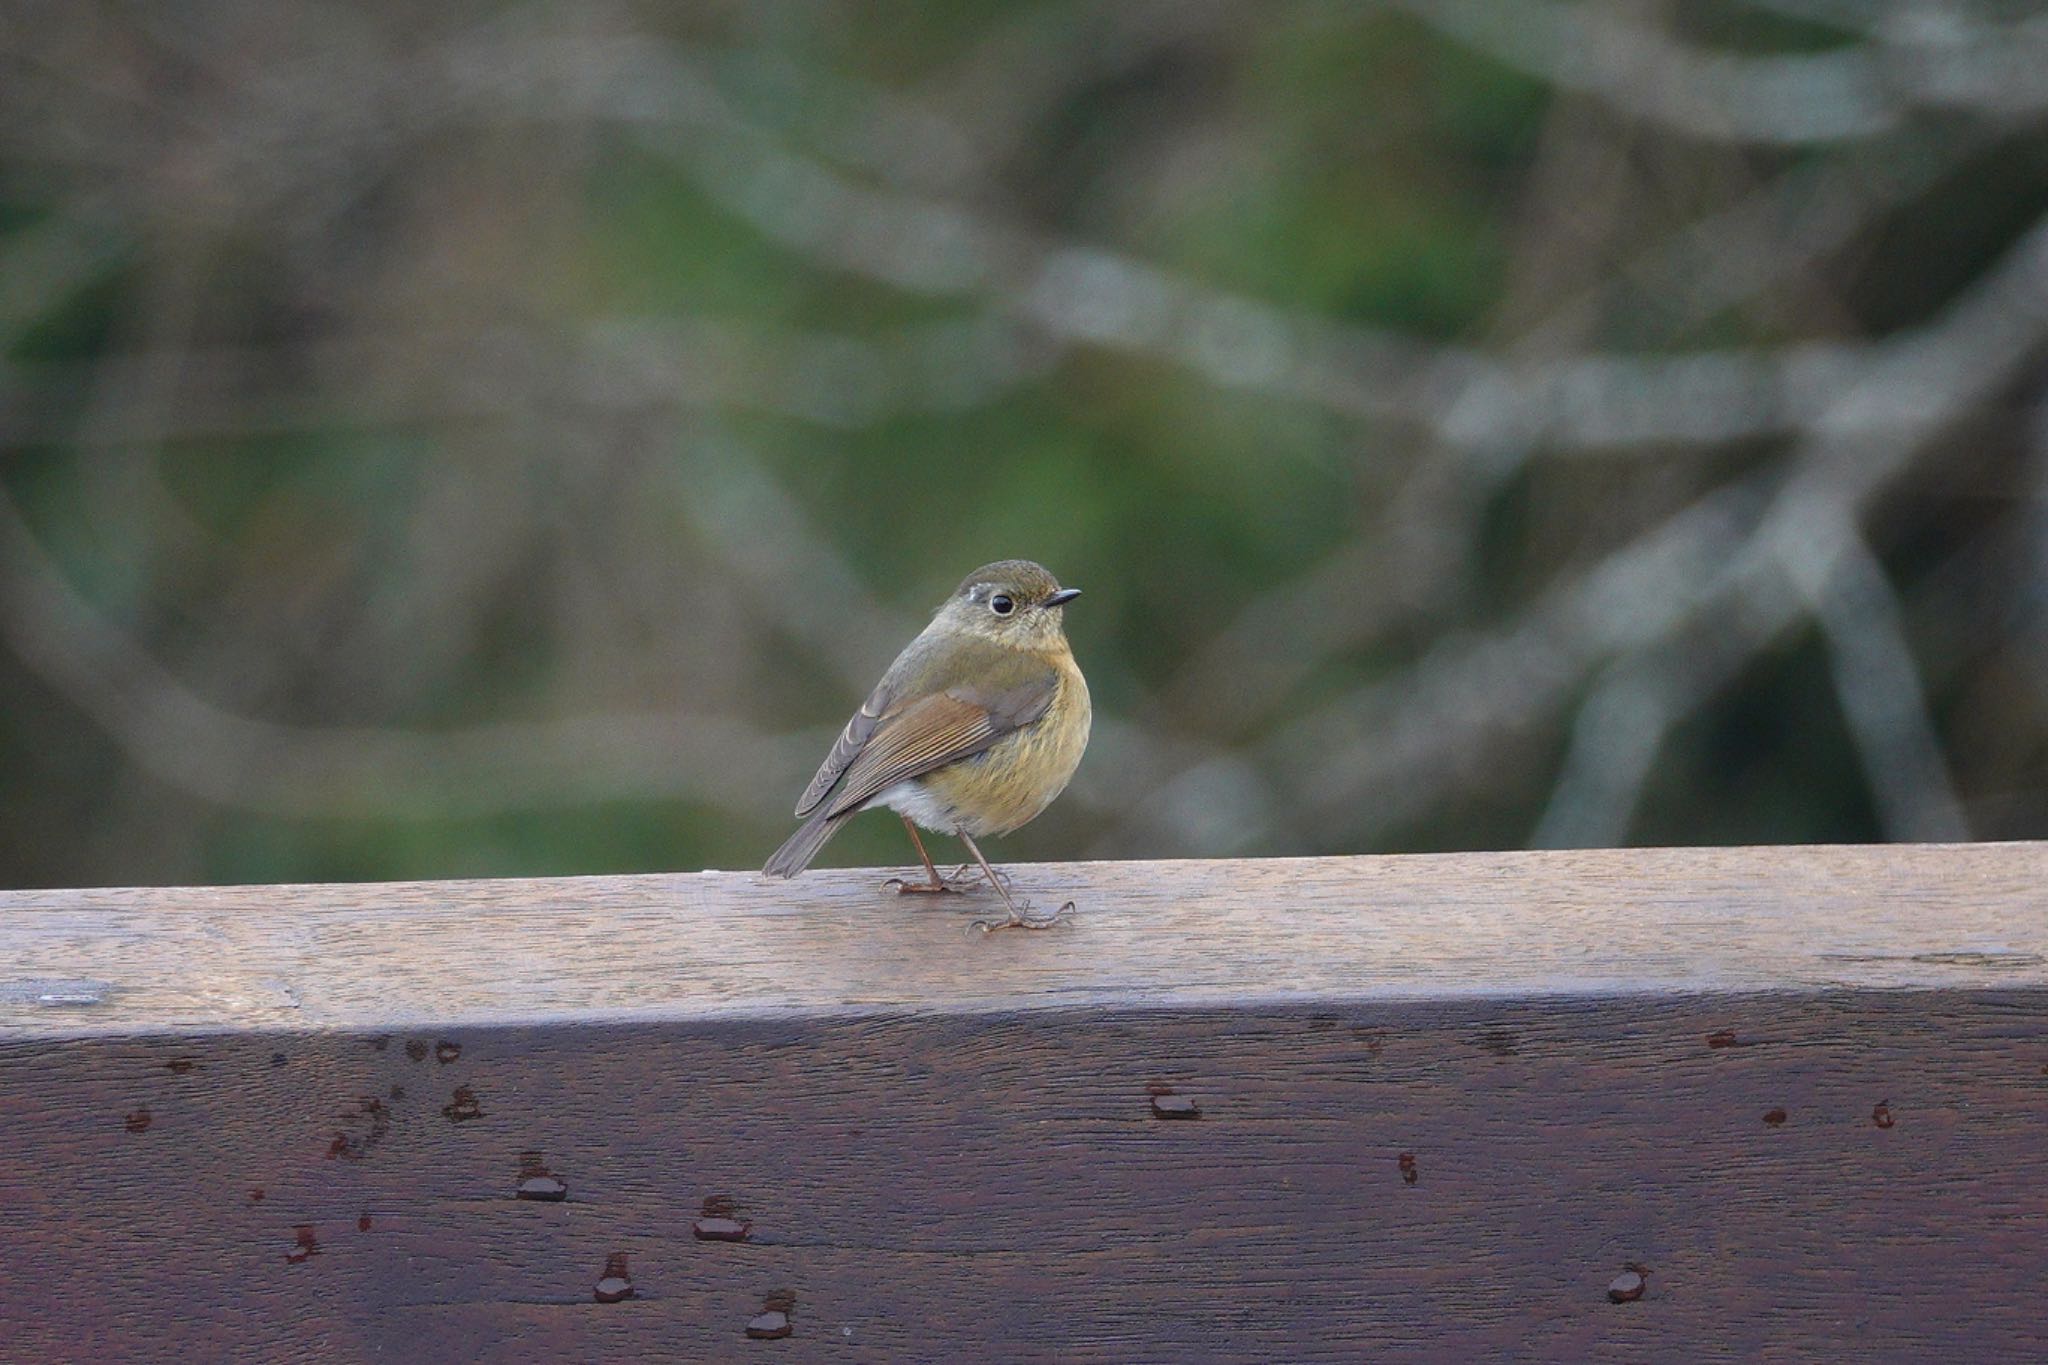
<point>305,1245</point>
<point>1630,1284</point>
<point>615,1285</point>
<point>720,1221</point>
<point>536,1182</point>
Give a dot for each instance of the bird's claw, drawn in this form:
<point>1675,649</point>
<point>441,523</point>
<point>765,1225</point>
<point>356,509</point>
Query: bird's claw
<point>1020,918</point>
<point>964,879</point>
<point>909,888</point>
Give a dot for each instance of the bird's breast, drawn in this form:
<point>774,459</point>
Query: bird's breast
<point>1010,782</point>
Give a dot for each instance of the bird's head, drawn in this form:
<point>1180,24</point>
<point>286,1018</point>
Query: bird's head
<point>1012,600</point>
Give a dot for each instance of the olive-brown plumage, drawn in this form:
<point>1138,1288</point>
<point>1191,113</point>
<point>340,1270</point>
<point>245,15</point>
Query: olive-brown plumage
<point>974,729</point>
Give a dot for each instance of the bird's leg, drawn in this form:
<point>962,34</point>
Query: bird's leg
<point>1018,918</point>
<point>968,875</point>
<point>937,886</point>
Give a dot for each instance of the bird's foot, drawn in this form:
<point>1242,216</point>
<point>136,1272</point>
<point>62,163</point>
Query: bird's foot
<point>1022,918</point>
<point>967,876</point>
<point>963,879</point>
<point>940,887</point>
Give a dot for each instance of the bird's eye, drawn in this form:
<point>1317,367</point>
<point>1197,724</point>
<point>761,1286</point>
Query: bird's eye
<point>1001,604</point>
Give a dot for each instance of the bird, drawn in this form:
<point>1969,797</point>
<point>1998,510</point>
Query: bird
<point>976,727</point>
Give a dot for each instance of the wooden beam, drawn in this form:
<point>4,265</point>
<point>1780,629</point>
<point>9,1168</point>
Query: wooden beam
<point>1290,1109</point>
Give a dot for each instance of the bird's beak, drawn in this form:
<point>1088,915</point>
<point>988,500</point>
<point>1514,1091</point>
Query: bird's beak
<point>1062,597</point>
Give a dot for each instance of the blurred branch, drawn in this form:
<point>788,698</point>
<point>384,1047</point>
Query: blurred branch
<point>620,365</point>
<point>1038,59</point>
<point>48,261</point>
<point>1859,17</point>
<point>496,469</point>
<point>1084,295</point>
<point>1930,57</point>
<point>191,743</point>
<point>1383,754</point>
<point>1805,214</point>
<point>1072,294</point>
<point>128,418</point>
<point>1879,687</point>
<point>356,772</point>
<point>788,568</point>
<point>1615,740</point>
<point>1271,643</point>
<point>1635,702</point>
<point>2033,604</point>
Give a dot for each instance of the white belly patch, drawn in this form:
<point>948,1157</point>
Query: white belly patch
<point>921,804</point>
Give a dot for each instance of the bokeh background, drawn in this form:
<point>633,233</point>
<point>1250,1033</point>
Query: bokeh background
<point>494,439</point>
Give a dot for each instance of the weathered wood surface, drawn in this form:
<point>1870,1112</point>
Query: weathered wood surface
<point>1440,1104</point>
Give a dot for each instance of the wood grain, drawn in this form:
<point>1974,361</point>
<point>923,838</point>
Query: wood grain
<point>724,944</point>
<point>1806,1088</point>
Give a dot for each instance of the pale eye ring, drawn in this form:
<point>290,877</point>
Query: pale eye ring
<point>1001,604</point>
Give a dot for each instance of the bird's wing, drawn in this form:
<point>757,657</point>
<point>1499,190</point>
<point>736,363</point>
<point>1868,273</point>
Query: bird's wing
<point>941,727</point>
<point>846,747</point>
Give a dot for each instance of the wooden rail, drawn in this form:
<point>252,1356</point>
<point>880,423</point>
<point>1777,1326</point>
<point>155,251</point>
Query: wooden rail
<point>1743,1103</point>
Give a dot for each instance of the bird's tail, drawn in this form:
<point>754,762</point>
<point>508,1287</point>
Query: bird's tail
<point>796,854</point>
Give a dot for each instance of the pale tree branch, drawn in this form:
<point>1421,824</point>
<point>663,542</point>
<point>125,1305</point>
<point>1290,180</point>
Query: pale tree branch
<point>1879,686</point>
<point>1634,703</point>
<point>1615,740</point>
<point>358,772</point>
<point>1081,294</point>
<point>1382,755</point>
<point>1270,644</point>
<point>1926,57</point>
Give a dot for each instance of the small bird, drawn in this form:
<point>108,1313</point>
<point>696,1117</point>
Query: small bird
<point>974,729</point>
